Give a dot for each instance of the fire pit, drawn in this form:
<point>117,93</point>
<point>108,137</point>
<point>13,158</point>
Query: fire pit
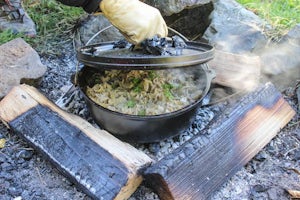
<point>143,128</point>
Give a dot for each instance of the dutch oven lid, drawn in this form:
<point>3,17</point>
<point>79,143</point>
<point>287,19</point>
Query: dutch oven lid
<point>106,56</point>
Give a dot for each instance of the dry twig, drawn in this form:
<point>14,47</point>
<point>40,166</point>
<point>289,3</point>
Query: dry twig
<point>40,177</point>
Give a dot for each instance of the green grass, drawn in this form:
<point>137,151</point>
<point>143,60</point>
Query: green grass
<point>7,35</point>
<point>53,20</point>
<point>281,14</point>
<point>52,17</point>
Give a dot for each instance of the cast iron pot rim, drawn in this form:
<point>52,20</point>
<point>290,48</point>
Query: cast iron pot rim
<point>209,76</point>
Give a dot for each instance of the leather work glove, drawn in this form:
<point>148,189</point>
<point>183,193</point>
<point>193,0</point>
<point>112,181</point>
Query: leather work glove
<point>136,20</point>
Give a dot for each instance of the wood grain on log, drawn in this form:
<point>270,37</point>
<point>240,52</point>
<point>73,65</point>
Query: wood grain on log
<point>101,165</point>
<point>240,72</point>
<point>201,165</point>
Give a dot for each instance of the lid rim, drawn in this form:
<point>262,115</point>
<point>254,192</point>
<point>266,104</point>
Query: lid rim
<point>205,53</point>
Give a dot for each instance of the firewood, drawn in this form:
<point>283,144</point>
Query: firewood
<point>101,165</point>
<point>240,72</point>
<point>295,194</point>
<point>201,165</point>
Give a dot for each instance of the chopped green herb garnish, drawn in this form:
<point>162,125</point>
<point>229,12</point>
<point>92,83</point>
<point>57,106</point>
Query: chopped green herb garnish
<point>137,89</point>
<point>136,81</point>
<point>152,75</point>
<point>137,85</point>
<point>167,90</point>
<point>131,103</point>
<point>142,112</point>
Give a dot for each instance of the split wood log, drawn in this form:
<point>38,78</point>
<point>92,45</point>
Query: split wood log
<point>295,194</point>
<point>101,165</point>
<point>201,165</point>
<point>241,72</point>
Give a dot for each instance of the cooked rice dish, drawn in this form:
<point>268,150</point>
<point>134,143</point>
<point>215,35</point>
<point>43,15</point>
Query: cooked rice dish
<point>145,92</point>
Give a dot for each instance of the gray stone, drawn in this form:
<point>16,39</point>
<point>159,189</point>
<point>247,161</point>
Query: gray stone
<point>280,62</point>
<point>235,29</point>
<point>169,7</point>
<point>14,18</point>
<point>19,63</point>
<point>192,22</point>
<point>91,26</point>
<point>293,36</point>
<point>278,58</point>
<point>259,188</point>
<point>25,154</point>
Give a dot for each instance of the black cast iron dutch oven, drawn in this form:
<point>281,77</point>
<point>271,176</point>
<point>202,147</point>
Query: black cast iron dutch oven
<point>136,128</point>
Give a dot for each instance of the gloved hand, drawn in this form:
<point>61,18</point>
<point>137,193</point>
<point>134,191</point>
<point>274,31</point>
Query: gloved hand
<point>136,20</point>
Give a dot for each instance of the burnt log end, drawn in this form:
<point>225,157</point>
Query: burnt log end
<point>201,165</point>
<point>99,164</point>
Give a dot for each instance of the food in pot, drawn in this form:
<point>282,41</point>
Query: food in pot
<point>146,92</point>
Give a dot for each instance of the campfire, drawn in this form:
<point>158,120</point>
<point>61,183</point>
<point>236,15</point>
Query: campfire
<point>108,168</point>
<point>192,163</point>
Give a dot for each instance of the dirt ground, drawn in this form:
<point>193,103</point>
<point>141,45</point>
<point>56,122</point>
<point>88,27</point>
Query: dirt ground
<point>25,174</point>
